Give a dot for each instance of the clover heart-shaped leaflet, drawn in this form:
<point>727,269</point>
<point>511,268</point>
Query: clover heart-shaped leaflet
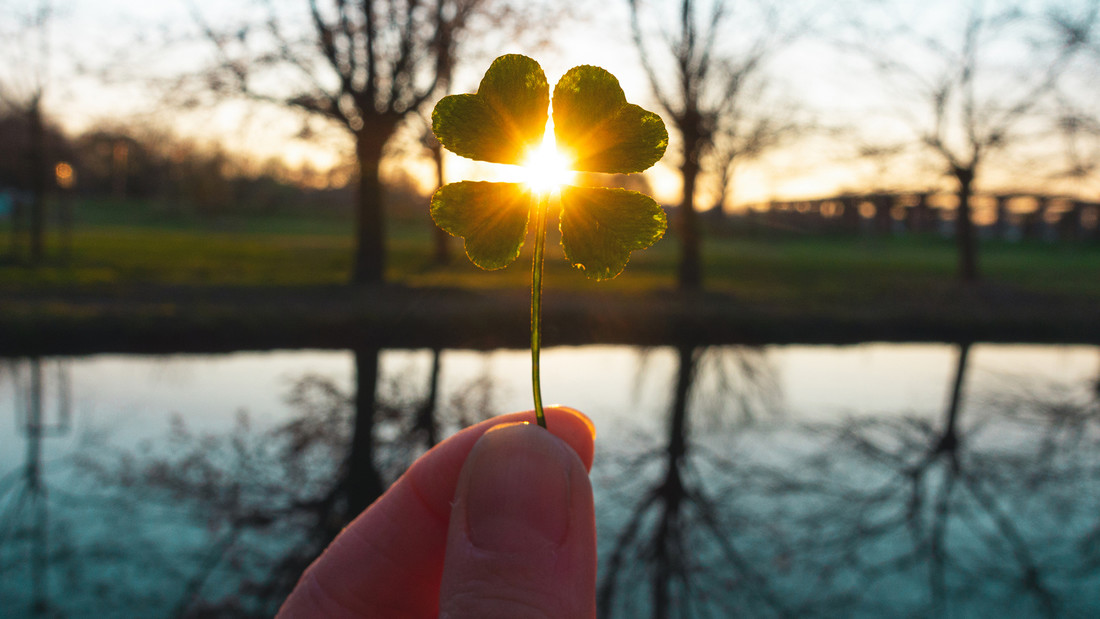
<point>598,130</point>
<point>601,226</point>
<point>491,218</point>
<point>504,120</point>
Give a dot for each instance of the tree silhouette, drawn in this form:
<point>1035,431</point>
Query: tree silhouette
<point>363,66</point>
<point>1078,118</point>
<point>704,72</point>
<point>24,80</point>
<point>674,538</point>
<point>969,86</point>
<point>267,501</point>
<point>985,509</point>
<point>24,494</point>
<point>980,511</point>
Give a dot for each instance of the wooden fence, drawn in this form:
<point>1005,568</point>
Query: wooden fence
<point>999,216</point>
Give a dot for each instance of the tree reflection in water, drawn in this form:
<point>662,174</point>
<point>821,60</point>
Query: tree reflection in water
<point>970,503</point>
<point>992,511</point>
<point>272,500</point>
<point>676,541</point>
<point>989,507</point>
<point>43,410</point>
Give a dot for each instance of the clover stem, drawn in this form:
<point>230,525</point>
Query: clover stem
<point>536,302</point>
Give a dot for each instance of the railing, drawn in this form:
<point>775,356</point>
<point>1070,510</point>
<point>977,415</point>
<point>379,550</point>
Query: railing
<point>1010,217</point>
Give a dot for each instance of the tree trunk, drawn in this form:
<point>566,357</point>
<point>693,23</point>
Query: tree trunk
<point>369,266</point>
<point>39,168</point>
<point>18,223</point>
<point>425,422</point>
<point>949,438</point>
<point>691,270</point>
<point>965,236</point>
<point>673,493</point>
<point>442,240</point>
<point>363,483</point>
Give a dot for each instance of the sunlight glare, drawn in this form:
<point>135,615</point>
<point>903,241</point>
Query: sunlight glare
<point>546,168</point>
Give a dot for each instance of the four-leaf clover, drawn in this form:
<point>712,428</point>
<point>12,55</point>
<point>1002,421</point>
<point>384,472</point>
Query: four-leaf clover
<point>505,122</point>
<point>596,130</point>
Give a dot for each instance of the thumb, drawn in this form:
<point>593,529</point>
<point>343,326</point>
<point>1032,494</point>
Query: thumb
<point>522,537</point>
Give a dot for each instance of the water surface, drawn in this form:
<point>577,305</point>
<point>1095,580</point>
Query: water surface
<point>864,480</point>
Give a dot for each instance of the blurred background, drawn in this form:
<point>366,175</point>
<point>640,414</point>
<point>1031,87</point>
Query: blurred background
<point>860,375</point>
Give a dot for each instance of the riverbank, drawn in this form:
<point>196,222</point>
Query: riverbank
<point>125,284</point>
<point>152,318</point>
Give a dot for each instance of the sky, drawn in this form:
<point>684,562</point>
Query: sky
<point>108,44</point>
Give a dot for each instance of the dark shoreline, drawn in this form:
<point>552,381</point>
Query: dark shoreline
<point>163,319</point>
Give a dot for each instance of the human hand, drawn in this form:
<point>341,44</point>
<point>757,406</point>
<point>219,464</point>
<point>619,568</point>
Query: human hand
<point>495,521</point>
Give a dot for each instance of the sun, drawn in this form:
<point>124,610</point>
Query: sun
<point>546,168</point>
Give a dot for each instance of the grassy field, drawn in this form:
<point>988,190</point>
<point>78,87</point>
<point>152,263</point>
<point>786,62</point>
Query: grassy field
<point>131,279</point>
<point>129,244</point>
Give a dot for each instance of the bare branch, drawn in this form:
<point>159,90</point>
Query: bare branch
<point>647,65</point>
<point>370,32</point>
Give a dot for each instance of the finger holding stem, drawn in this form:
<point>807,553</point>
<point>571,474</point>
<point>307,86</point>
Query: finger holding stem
<point>536,302</point>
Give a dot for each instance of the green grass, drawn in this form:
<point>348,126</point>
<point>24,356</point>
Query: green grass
<point>141,244</point>
<point>129,254</point>
<point>791,269</point>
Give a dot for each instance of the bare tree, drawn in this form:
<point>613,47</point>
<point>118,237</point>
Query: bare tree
<point>363,66</point>
<point>970,80</point>
<point>703,73</point>
<point>23,85</point>
<point>1078,119</point>
<point>744,135</point>
<point>533,24</point>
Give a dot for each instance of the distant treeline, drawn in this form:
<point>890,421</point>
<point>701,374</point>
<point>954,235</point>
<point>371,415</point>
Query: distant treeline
<point>182,175</point>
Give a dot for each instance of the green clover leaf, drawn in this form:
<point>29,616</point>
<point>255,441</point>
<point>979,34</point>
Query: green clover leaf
<point>595,127</point>
<point>600,227</point>
<point>492,217</point>
<point>504,122</point>
<point>598,130</point>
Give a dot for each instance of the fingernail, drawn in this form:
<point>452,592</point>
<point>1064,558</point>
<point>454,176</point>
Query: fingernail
<point>579,415</point>
<point>517,489</point>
